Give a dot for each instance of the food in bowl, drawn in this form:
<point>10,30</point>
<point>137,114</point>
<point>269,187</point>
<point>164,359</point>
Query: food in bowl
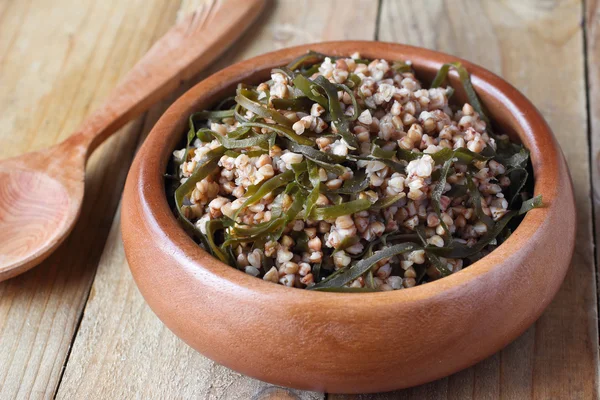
<point>346,174</point>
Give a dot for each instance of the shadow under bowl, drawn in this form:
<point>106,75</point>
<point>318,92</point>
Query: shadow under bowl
<point>348,342</point>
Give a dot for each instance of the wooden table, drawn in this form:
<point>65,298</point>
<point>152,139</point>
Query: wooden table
<point>76,327</point>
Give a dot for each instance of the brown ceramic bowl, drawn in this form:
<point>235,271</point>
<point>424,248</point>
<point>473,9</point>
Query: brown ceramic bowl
<point>348,342</point>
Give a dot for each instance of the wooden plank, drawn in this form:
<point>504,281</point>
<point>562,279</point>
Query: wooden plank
<point>537,46</point>
<point>122,350</point>
<point>593,70</point>
<point>58,59</point>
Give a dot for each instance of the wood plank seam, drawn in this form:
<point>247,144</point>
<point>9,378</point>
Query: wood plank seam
<point>378,19</point>
<point>587,21</point>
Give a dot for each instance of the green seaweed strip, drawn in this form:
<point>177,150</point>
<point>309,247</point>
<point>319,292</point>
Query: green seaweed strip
<point>370,281</point>
<point>227,100</point>
<point>258,109</point>
<point>313,196</point>
<point>356,184</point>
<point>357,269</point>
<point>407,155</point>
<point>346,242</point>
<point>301,241</point>
<point>517,160</point>
<point>441,76</point>
<point>433,259</point>
<point>192,132</point>
<point>257,140</point>
<point>213,115</point>
<point>401,67</point>
<point>378,152</point>
<point>325,160</point>
<point>312,57</point>
<point>282,130</point>
<point>465,80</point>
<point>355,105</point>
<point>335,198</point>
<point>316,271</point>
<point>438,264</point>
<point>238,114</point>
<point>312,70</point>
<point>395,166</point>
<point>299,168</point>
<point>463,251</point>
<point>476,197</point>
<point>386,157</point>
<point>350,207</point>
<point>232,154</point>
<point>353,81</point>
<point>335,110</point>
<point>310,90</point>
<point>400,237</point>
<point>518,179</point>
<point>211,227</point>
<point>313,173</point>
<point>387,202</point>
<point>474,101</point>
<point>436,196</point>
<point>336,169</point>
<point>299,199</point>
<point>239,133</point>
<point>462,154</point>
<point>314,154</point>
<point>190,137</point>
<point>257,153</point>
<point>303,104</point>
<point>206,166</point>
<point>290,74</point>
<point>266,188</point>
<point>254,232</point>
<point>273,228</point>
<point>528,205</point>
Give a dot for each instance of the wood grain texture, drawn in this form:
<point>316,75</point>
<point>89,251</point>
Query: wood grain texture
<point>593,68</point>
<point>538,47</point>
<point>58,60</point>
<point>122,350</point>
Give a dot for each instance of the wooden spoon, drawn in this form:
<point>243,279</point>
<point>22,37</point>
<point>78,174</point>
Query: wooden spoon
<point>41,192</point>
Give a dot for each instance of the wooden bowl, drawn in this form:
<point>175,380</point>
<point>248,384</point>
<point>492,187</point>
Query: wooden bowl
<point>349,342</point>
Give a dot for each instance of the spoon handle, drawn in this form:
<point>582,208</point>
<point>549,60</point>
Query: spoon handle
<point>183,51</point>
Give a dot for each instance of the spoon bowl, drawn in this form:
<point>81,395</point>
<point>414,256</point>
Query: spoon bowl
<point>39,204</point>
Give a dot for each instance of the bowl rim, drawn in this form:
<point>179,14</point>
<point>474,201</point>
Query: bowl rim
<point>535,134</point>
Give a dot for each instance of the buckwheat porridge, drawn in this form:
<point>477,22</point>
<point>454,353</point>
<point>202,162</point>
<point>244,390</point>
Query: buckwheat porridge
<point>347,174</point>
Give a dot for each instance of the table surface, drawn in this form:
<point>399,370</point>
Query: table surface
<point>77,327</point>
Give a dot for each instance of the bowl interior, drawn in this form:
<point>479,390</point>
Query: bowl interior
<point>509,110</point>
